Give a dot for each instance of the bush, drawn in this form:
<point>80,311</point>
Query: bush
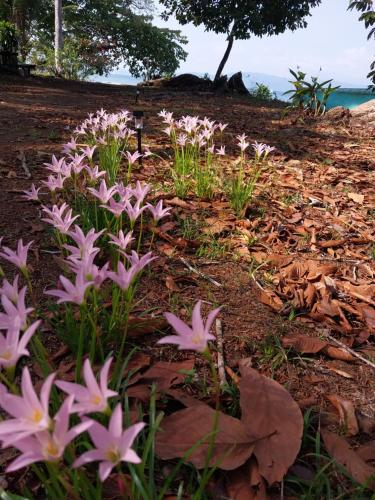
<point>262,91</point>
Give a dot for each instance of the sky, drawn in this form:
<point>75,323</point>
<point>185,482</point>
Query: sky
<point>334,40</point>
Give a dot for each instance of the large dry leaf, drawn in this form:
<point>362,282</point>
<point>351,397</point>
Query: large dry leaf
<point>165,374</point>
<point>357,198</point>
<point>304,344</point>
<point>341,451</point>
<point>272,416</point>
<point>246,483</point>
<point>346,413</point>
<point>185,428</point>
<point>271,299</point>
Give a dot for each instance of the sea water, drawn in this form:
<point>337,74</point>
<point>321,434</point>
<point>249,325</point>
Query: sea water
<point>346,97</point>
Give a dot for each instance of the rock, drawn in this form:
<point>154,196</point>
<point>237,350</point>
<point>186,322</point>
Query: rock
<point>236,84</point>
<point>364,114</point>
<point>338,114</point>
<point>185,81</point>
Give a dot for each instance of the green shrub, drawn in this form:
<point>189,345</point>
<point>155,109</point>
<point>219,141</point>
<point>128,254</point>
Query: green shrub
<point>262,91</point>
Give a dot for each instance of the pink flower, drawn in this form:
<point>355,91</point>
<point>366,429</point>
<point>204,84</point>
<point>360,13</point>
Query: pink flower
<point>222,126</point>
<point>132,158</point>
<point>191,338</point>
<point>90,271</point>
<point>115,207</point>
<point>121,241</point>
<point>70,146</point>
<point>73,292</point>
<point>57,218</point>
<point>123,277</point>
<point>94,173</point>
<point>243,145</point>
<point>56,166</point>
<point>18,258</point>
<point>221,151</point>
<point>48,446</point>
<point>31,414</point>
<point>140,263</point>
<point>85,242</point>
<point>88,152</point>
<point>140,191</point>
<point>12,347</point>
<point>15,316</point>
<point>104,194</point>
<point>134,211</point>
<point>54,183</point>
<point>158,212</point>
<point>10,291</point>
<point>93,397</point>
<point>113,445</point>
<point>32,194</point>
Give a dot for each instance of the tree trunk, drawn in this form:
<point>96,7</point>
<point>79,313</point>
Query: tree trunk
<point>226,55</point>
<point>58,35</point>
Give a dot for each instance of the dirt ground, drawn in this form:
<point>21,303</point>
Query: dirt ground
<point>317,167</point>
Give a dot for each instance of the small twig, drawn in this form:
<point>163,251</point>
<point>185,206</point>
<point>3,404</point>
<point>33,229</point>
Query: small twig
<point>220,353</point>
<point>22,159</point>
<point>199,273</point>
<point>350,351</point>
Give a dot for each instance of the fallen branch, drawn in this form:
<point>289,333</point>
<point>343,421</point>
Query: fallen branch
<point>199,273</point>
<point>220,353</point>
<point>350,351</point>
<point>22,159</point>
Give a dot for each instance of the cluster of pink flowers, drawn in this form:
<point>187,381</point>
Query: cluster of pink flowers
<point>42,438</point>
<point>193,132</point>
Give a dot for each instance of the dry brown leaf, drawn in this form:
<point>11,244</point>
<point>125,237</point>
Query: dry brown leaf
<point>185,428</point>
<point>357,198</point>
<point>271,415</point>
<point>171,284</point>
<point>304,344</point>
<point>338,353</point>
<point>341,451</point>
<point>271,299</point>
<point>245,483</point>
<point>144,325</point>
<point>346,413</point>
<point>340,372</point>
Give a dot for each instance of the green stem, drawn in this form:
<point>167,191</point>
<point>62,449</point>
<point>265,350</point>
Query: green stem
<point>80,342</point>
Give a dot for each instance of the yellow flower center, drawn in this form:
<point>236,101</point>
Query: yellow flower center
<point>113,455</point>
<point>196,339</point>
<point>96,399</point>
<point>7,355</point>
<point>36,416</point>
<point>52,450</point>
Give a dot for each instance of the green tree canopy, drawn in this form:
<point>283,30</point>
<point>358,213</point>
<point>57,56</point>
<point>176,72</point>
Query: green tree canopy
<point>239,20</point>
<point>367,9</point>
<point>99,36</point>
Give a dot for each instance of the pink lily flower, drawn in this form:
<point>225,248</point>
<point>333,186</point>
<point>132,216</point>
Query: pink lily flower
<point>222,127</point>
<point>32,194</point>
<point>115,207</point>
<point>125,192</point>
<point>93,397</point>
<point>18,258</point>
<point>123,277</point>
<point>12,347</point>
<point>221,151</point>
<point>10,291</point>
<point>94,173</point>
<point>74,293</point>
<point>242,143</point>
<point>90,271</point>
<point>58,219</point>
<point>30,413</point>
<point>140,263</point>
<point>104,194</point>
<point>88,151</point>
<point>113,445</point>
<point>140,191</point>
<point>49,446</point>
<point>193,338</point>
<point>54,183</point>
<point>84,242</point>
<point>56,165</point>
<point>121,241</point>
<point>77,164</point>
<point>158,212</point>
<point>15,316</point>
<point>70,146</point>
<point>258,148</point>
<point>134,211</point>
<point>132,158</point>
